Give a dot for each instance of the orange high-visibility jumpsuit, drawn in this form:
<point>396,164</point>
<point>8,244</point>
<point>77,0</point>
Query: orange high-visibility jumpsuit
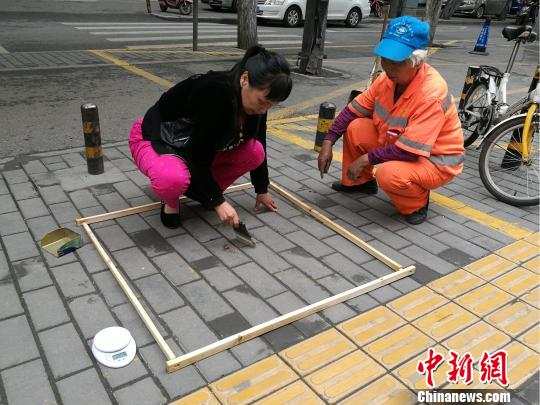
<point>423,121</point>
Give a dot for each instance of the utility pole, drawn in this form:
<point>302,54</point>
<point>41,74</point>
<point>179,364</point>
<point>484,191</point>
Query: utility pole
<point>433,8</point>
<point>312,53</point>
<point>247,23</point>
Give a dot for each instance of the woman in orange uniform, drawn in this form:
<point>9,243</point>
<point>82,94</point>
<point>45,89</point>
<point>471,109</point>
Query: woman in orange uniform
<point>405,123</point>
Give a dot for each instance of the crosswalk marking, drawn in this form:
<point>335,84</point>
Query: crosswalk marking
<point>208,33</point>
<point>235,43</point>
<point>175,38</point>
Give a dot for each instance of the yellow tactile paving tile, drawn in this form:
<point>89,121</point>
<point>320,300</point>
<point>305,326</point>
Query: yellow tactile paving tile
<point>417,303</point>
<point>518,252</point>
<point>346,375</point>
<point>409,375</point>
<point>200,397</point>
<point>456,283</point>
<point>317,351</point>
<point>517,281</point>
<point>476,339</point>
<point>398,346</point>
<point>533,239</point>
<point>532,297</point>
<point>445,321</point>
<point>367,327</point>
<point>522,364</point>
<point>385,391</point>
<point>514,318</point>
<point>533,265</point>
<point>297,393</point>
<point>484,299</point>
<point>253,382</point>
<point>532,338</point>
<point>490,267</point>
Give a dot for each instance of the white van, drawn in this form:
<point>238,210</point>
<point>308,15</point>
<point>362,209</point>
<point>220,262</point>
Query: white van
<point>292,12</point>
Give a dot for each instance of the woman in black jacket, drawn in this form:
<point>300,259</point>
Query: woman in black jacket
<point>209,130</point>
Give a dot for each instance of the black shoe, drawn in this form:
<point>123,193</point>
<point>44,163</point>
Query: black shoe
<point>369,187</point>
<point>417,217</point>
<point>171,221</point>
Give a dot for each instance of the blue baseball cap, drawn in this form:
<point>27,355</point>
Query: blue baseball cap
<point>403,36</point>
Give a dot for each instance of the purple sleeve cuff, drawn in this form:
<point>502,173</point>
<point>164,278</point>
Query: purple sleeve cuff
<point>389,152</point>
<point>340,124</point>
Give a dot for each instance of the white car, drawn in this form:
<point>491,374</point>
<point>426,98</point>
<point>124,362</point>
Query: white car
<point>291,12</point>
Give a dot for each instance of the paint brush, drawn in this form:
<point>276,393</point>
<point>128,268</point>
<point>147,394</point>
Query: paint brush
<point>243,235</point>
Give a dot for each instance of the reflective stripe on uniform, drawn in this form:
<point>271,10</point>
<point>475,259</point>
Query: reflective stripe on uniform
<point>381,111</point>
<point>360,109</point>
<point>414,145</point>
<point>394,121</point>
<point>447,102</point>
<point>447,160</point>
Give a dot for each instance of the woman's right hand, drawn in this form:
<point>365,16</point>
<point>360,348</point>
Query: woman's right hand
<point>325,157</point>
<point>227,214</point>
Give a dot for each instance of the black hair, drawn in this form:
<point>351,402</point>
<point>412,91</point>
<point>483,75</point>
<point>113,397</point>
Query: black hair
<point>266,70</point>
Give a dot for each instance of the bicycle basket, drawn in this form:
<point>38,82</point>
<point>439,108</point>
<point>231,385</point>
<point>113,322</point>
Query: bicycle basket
<point>491,71</point>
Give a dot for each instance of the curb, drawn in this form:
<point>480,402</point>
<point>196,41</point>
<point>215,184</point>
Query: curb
<point>369,20</point>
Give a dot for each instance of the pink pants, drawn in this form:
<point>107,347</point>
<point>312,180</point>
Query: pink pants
<point>169,175</point>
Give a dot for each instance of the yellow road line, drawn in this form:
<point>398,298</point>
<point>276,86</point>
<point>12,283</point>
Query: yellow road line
<point>132,69</point>
<point>456,206</point>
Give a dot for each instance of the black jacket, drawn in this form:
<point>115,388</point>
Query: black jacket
<point>212,103</point>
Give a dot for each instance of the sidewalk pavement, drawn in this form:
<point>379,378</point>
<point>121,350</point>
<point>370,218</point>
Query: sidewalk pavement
<point>475,288</point>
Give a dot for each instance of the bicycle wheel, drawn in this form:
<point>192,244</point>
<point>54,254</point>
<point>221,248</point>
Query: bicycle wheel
<point>505,173</point>
<point>476,114</point>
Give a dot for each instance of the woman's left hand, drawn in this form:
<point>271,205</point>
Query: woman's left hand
<point>356,167</point>
<point>267,201</point>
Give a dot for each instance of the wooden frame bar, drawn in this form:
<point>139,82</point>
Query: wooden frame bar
<point>177,362</point>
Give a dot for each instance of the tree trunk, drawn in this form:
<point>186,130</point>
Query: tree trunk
<point>247,23</point>
<point>312,53</point>
<point>450,8</point>
<point>433,8</point>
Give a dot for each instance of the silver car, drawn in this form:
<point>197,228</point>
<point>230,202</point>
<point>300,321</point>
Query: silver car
<point>479,8</point>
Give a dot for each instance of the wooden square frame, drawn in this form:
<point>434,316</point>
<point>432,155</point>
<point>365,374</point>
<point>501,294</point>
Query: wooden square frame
<point>174,362</point>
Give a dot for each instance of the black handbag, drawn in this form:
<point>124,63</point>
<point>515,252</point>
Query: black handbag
<point>176,133</point>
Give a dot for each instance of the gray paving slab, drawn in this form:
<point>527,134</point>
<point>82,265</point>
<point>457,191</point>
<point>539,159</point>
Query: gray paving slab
<point>83,199</point>
<point>112,201</point>
<point>45,308</point>
<point>30,273</point>
<point>64,350</point>
<point>266,258</point>
<point>221,278</point>
<point>11,223</point>
<point>175,384</point>
<point>251,307</point>
<point>158,293</point>
<point>134,263</point>
<point>9,301</point>
<point>91,259</point>
<point>302,260</point>
<point>260,281</point>
<point>114,238</point>
<point>77,177</point>
<point>288,302</point>
<point>226,251</point>
<point>28,383</point>
<point>5,275</point>
<point>132,224</point>
<point>110,289</point>
<point>143,392</point>
<point>15,333</point>
<point>53,194</point>
<point>15,176</point>
<point>303,286</point>
<point>348,269</point>
<point>309,243</point>
<point>20,246</point>
<point>22,191</point>
<point>207,302</point>
<point>64,212</point>
<point>91,315</point>
<point>34,166</point>
<point>189,248</point>
<point>33,207</point>
<point>72,392</point>
<point>130,320</point>
<point>121,376</point>
<point>3,187</point>
<point>72,280</point>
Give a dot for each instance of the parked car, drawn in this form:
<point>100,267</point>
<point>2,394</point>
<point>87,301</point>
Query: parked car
<point>292,12</point>
<point>223,4</point>
<point>479,8</point>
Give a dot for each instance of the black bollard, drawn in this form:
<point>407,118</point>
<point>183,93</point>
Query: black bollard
<point>472,73</point>
<point>92,138</point>
<point>327,111</point>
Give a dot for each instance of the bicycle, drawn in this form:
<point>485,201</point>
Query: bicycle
<point>376,7</point>
<point>509,161</point>
<point>485,101</point>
